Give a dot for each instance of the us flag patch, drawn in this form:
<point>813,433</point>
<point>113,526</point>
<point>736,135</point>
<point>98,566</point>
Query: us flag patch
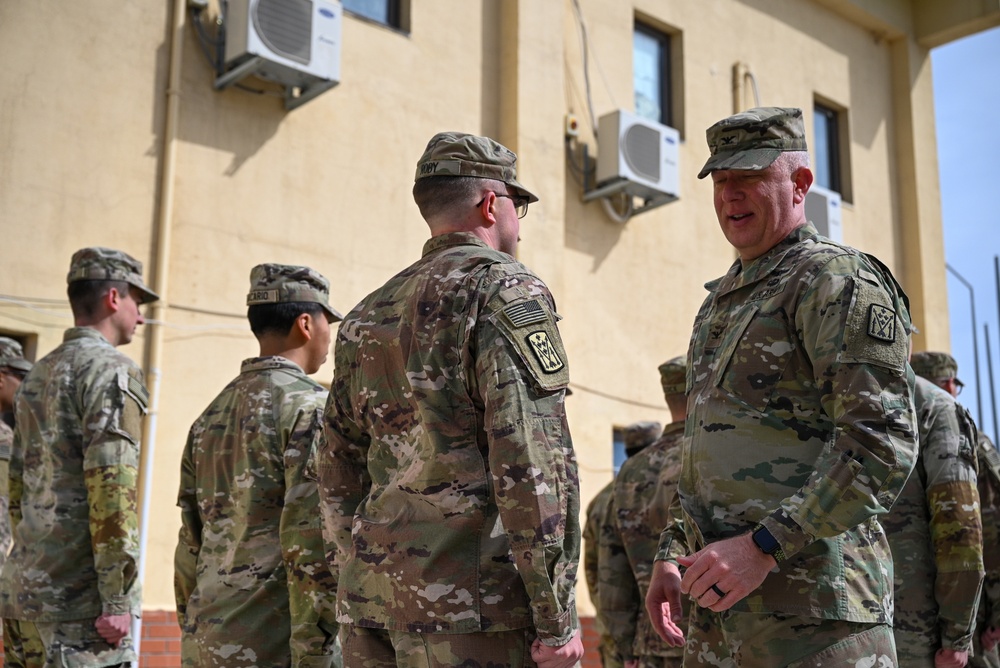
<point>525,313</point>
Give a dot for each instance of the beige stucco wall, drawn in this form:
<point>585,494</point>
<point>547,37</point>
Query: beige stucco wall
<point>82,105</point>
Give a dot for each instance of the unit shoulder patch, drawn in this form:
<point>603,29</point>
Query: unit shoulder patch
<point>881,323</point>
<point>545,351</point>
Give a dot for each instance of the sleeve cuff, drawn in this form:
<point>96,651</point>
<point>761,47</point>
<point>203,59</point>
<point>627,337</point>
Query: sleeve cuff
<point>116,605</point>
<point>790,536</point>
<point>558,631</point>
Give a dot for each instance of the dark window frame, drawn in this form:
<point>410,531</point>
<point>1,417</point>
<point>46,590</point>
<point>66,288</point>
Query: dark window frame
<point>832,142</point>
<point>394,14</point>
<point>663,39</point>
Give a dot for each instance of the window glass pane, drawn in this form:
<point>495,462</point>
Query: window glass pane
<point>647,61</point>
<point>619,449</point>
<point>822,123</point>
<point>376,10</point>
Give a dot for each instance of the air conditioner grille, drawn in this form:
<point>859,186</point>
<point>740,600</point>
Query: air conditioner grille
<point>642,151</point>
<point>285,26</point>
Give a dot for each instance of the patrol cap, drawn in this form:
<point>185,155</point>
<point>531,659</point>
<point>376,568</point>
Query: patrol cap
<point>107,264</point>
<point>283,283</point>
<point>673,376</point>
<point>12,355</point>
<point>460,154</point>
<point>754,139</point>
<point>640,434</point>
<point>935,366</point>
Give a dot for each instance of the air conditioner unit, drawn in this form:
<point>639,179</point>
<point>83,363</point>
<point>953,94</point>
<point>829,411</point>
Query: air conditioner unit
<point>640,153</point>
<point>823,210</point>
<point>295,43</point>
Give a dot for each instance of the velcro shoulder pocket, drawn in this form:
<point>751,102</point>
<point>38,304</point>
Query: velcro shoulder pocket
<point>875,331</point>
<point>530,327</point>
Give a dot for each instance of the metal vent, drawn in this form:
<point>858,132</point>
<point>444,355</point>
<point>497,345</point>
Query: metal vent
<point>285,26</point>
<point>642,151</point>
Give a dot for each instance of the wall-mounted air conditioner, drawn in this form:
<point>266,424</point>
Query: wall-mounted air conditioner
<point>824,211</point>
<point>640,152</point>
<point>295,43</point>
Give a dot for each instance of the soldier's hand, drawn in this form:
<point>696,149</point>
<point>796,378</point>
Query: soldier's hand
<point>990,637</point>
<point>723,573</point>
<point>663,602</point>
<point>950,658</point>
<point>113,627</point>
<point>563,656</point>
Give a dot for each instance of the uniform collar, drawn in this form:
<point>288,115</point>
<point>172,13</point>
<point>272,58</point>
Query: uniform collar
<point>268,363</point>
<point>77,333</point>
<point>452,239</point>
<point>739,275</point>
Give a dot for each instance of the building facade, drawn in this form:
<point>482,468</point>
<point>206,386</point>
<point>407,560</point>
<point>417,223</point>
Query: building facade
<point>112,133</point>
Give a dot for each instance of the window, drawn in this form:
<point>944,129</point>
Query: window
<point>831,148</point>
<point>618,452</point>
<point>827,167</point>
<point>381,11</point>
<point>651,73</point>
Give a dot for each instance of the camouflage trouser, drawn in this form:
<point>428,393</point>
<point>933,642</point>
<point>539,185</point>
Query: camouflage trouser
<point>377,648</point>
<point>71,644</point>
<point>730,639</point>
<point>660,662</point>
<point>609,656</point>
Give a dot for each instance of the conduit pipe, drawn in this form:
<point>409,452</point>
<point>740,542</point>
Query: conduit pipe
<point>161,266</point>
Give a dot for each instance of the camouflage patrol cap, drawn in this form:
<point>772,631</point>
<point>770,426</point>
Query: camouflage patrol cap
<point>12,355</point>
<point>673,376</point>
<point>935,366</point>
<point>640,434</point>
<point>108,264</point>
<point>754,139</point>
<point>460,154</point>
<point>282,283</point>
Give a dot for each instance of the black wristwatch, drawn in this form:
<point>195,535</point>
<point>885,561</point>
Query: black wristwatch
<point>767,543</point>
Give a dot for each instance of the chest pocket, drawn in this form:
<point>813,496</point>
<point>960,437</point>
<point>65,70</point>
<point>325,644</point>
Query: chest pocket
<point>753,356</point>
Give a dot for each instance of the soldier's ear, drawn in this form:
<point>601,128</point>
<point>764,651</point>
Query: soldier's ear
<point>304,328</point>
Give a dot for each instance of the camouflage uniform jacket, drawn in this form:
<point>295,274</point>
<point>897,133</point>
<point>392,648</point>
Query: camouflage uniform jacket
<point>73,485</point>
<point>250,555</point>
<point>636,516</point>
<point>935,531</point>
<point>6,440</point>
<point>989,500</point>
<point>800,417</point>
<point>449,452</point>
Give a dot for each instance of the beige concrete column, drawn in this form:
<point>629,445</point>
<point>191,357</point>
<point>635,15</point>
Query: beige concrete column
<point>532,108</point>
<point>921,236</point>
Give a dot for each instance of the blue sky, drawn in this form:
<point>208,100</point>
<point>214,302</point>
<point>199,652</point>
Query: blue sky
<point>967,109</point>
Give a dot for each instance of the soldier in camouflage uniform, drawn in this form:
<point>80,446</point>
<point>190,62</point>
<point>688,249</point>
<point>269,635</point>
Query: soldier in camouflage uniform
<point>800,428</point>
<point>935,533</point>
<point>636,516</point>
<point>69,588</point>
<point>251,579</point>
<point>942,369</point>
<point>596,510</point>
<point>13,369</point>
<point>448,479</point>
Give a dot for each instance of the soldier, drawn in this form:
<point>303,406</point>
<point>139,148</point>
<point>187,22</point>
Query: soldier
<point>636,437</point>
<point>800,428</point>
<point>448,479</point>
<point>935,533</point>
<point>69,588</point>
<point>637,513</point>
<point>596,510</point>
<point>942,369</point>
<point>252,584</point>
<point>13,369</point>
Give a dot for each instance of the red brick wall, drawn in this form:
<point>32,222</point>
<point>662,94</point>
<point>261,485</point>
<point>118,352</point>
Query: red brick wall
<point>161,641</point>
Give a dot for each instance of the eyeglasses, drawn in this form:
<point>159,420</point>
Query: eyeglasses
<point>520,203</point>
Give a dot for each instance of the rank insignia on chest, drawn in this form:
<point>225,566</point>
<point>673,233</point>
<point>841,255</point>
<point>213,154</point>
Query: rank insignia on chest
<point>881,323</point>
<point>546,353</point>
